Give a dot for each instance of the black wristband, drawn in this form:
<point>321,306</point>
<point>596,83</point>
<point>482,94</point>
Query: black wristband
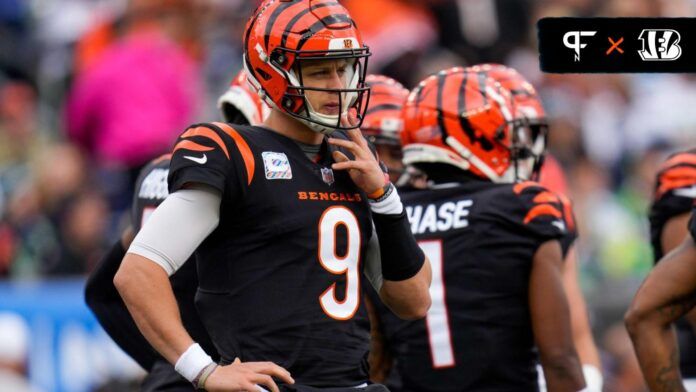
<point>401,256</point>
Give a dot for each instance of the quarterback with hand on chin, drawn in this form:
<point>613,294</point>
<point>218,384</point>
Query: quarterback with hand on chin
<point>284,219</point>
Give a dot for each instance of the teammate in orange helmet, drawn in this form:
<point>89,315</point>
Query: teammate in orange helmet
<point>383,125</point>
<point>496,246</point>
<point>529,109</point>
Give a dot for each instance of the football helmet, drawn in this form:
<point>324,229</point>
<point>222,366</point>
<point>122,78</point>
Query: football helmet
<point>530,117</point>
<point>383,123</point>
<point>241,105</point>
<point>282,35</point>
<point>461,118</point>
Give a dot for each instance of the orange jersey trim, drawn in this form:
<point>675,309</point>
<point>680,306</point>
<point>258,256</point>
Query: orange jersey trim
<point>540,210</point>
<point>679,159</point>
<point>519,188</point>
<point>243,147</point>
<point>678,177</point>
<point>189,145</point>
<point>546,197</point>
<point>210,134</point>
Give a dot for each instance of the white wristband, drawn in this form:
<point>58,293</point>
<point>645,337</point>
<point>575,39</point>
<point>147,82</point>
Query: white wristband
<point>192,361</point>
<point>389,206</point>
<point>593,379</point>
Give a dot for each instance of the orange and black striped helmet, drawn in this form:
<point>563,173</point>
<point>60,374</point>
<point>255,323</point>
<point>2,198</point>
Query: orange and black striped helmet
<point>383,123</point>
<point>532,127</point>
<point>527,101</point>
<point>240,104</point>
<point>461,118</point>
<point>284,34</point>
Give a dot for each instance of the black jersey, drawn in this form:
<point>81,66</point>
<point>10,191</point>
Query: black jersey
<point>675,193</point>
<point>480,238</point>
<point>280,276</point>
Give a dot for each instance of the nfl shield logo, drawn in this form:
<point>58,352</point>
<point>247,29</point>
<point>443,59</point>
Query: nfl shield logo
<point>327,175</point>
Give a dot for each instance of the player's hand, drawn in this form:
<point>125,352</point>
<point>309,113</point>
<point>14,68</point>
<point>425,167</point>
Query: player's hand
<point>364,170</point>
<point>246,376</point>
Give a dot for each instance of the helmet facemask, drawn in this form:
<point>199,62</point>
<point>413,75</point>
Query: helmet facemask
<point>527,150</point>
<point>353,95</point>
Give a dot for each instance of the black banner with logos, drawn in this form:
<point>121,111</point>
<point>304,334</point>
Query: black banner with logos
<point>617,45</point>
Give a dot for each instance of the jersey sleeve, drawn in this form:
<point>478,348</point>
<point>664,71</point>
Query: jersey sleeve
<point>542,215</point>
<point>570,223</point>
<point>213,154</point>
<point>675,187</point>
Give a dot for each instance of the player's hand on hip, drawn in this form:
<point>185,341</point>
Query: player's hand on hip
<point>247,376</point>
<point>364,170</point>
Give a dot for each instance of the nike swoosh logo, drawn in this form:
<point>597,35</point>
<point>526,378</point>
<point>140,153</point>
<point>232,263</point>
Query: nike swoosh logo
<point>202,160</point>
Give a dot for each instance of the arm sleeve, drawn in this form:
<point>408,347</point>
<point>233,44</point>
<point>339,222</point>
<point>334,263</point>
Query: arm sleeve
<point>108,307</point>
<point>178,226</point>
<point>373,263</point>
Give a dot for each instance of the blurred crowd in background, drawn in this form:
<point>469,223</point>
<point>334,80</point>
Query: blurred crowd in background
<point>90,90</point>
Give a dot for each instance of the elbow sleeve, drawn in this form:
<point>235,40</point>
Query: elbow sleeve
<point>177,227</point>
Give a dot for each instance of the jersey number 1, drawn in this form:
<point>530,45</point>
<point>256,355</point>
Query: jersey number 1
<point>437,320</point>
<point>347,264</point>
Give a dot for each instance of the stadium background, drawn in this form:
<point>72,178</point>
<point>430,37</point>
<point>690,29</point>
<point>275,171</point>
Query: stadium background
<point>91,89</point>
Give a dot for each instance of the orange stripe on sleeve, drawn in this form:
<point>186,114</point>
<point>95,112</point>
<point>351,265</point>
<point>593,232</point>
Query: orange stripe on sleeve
<point>243,147</point>
<point>678,177</point>
<point>519,188</point>
<point>546,197</point>
<point>189,145</point>
<point>210,134</point>
<point>540,210</point>
<point>679,159</point>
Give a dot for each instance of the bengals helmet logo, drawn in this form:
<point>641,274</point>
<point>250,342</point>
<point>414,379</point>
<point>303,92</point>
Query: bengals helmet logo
<point>348,43</point>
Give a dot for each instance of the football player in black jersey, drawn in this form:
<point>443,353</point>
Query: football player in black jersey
<point>495,246</point>
<point>284,219</point>
<point>669,291</point>
<point>238,105</point>
<point>529,108</point>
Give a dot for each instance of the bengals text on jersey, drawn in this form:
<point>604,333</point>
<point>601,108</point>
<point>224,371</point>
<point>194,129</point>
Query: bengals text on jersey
<point>280,277</point>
